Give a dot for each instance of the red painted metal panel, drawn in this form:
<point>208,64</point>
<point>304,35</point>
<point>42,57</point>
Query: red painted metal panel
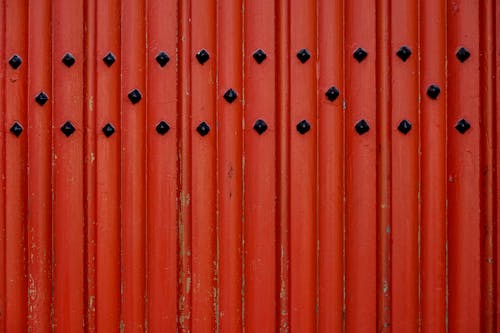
<point>39,170</point>
<point>256,166</point>
<point>162,169</point>
<point>15,169</point>
<point>229,164</point>
<point>260,264</point>
<point>405,168</point>
<point>302,143</point>
<point>68,166</point>
<point>361,167</point>
<point>106,158</point>
<point>433,165</point>
<point>202,196</point>
<point>330,167</point>
<point>90,171</point>
<point>464,264</point>
<point>283,161</point>
<point>133,164</point>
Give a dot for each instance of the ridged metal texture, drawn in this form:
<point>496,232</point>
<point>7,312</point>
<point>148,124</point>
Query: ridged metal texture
<point>258,166</point>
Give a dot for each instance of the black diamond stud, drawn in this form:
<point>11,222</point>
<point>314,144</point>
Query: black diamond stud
<point>203,129</point>
<point>360,54</point>
<point>303,55</point>
<point>162,128</point>
<point>332,93</point>
<point>41,98</point>
<point>433,91</point>
<point>303,127</point>
<point>260,126</point>
<point>202,56</point>
<point>463,54</point>
<point>162,58</point>
<point>67,128</point>
<point>15,61</point>
<point>68,59</point>
<point>230,95</point>
<point>109,59</point>
<point>404,126</point>
<point>462,126</point>
<point>108,130</point>
<point>16,129</point>
<point>404,53</point>
<point>362,127</point>
<point>134,96</point>
<point>259,56</point>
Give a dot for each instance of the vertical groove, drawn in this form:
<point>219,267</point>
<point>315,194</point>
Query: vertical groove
<point>146,175</point>
<point>283,168</point>
<point>89,170</point>
<point>384,140</point>
<point>3,245</point>
<point>184,144</point>
<point>488,168</point>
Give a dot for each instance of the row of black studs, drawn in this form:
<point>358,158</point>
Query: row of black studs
<point>260,127</point>
<point>67,128</point>
<point>230,95</point>
<point>203,56</point>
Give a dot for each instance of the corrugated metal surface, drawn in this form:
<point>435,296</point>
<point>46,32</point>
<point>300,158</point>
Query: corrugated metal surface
<point>257,166</point>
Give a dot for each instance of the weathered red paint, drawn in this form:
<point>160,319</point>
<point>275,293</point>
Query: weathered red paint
<point>329,230</point>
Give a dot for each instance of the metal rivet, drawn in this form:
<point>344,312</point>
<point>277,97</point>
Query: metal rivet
<point>463,54</point>
<point>362,127</point>
<point>108,130</point>
<point>41,98</point>
<point>404,53</point>
<point>303,127</point>
<point>67,128</point>
<point>109,59</point>
<point>433,91</point>
<point>360,54</point>
<point>259,56</point>
<point>404,126</point>
<point>134,96</point>
<point>15,61</point>
<point>16,129</point>
<point>332,93</point>
<point>68,59</point>
<point>303,55</point>
<point>162,58</point>
<point>203,129</point>
<point>162,128</point>
<point>260,126</point>
<point>202,56</point>
<point>462,126</point>
<point>230,95</point>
